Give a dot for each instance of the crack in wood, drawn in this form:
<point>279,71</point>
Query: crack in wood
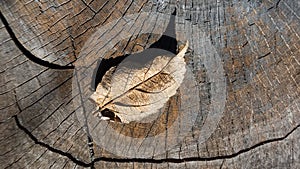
<point>17,103</point>
<point>88,6</point>
<point>26,52</point>
<point>86,127</point>
<point>143,160</point>
<point>171,160</point>
<point>48,147</point>
<point>263,56</point>
<point>191,159</point>
<point>277,3</point>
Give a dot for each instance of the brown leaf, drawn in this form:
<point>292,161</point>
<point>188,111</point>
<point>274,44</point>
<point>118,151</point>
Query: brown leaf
<point>135,90</point>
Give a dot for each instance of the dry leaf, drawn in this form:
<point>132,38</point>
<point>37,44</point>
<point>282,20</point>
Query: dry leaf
<point>135,90</point>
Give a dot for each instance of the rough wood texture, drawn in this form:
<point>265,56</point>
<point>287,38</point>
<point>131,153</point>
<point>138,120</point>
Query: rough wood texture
<point>254,45</point>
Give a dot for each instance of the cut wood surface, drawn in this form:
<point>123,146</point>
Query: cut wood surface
<point>238,107</point>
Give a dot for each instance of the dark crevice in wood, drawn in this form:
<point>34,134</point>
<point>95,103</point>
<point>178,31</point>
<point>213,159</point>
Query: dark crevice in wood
<point>245,44</point>
<point>142,160</point>
<point>72,43</point>
<point>53,130</point>
<point>111,12</point>
<point>24,82</point>
<point>49,92</point>
<point>86,126</point>
<point>251,24</point>
<point>26,52</point>
<point>191,159</point>
<point>101,8</point>
<point>169,160</point>
<point>38,115</point>
<point>277,3</point>
<point>260,57</point>
<point>126,10</point>
<point>92,153</point>
<point>19,107</point>
<point>221,166</point>
<point>88,6</point>
<point>9,166</point>
<point>48,147</point>
<point>17,103</point>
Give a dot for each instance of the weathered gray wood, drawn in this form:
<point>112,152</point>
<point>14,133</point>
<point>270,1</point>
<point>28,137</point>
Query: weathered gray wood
<point>257,43</point>
<point>40,100</point>
<point>55,31</point>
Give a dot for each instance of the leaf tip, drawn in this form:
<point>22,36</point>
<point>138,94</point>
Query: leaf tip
<point>184,49</point>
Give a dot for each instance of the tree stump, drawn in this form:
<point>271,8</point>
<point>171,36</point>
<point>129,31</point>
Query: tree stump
<point>237,108</point>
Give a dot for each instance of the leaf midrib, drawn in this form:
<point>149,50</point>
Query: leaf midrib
<point>138,84</point>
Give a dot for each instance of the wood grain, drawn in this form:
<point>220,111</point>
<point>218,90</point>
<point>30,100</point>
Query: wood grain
<point>256,42</point>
